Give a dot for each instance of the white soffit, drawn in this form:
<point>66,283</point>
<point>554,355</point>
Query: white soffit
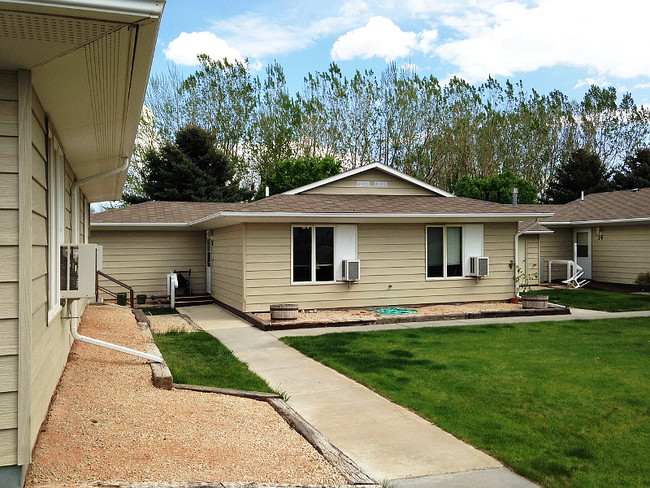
<point>90,64</point>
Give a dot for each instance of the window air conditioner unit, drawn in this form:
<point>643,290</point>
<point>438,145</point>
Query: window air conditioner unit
<point>479,266</point>
<point>351,270</point>
<point>79,266</point>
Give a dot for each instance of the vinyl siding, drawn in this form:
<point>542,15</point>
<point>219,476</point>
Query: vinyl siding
<point>529,258</point>
<point>348,185</point>
<point>142,259</point>
<point>228,265</point>
<point>558,245</point>
<point>390,255</point>
<point>8,268</point>
<point>50,343</point>
<point>622,254</point>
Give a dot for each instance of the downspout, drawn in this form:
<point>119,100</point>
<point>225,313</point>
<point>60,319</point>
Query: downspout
<point>516,266</point>
<point>73,307</point>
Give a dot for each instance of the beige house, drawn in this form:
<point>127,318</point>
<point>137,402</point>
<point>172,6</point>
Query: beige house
<point>72,80</point>
<point>414,244</point>
<point>607,234</point>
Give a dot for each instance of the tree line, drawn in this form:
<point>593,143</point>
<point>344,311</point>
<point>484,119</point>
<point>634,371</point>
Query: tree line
<point>435,132</point>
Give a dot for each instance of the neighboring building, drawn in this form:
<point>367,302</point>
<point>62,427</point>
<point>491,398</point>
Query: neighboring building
<point>414,243</point>
<point>607,234</point>
<point>72,80</point>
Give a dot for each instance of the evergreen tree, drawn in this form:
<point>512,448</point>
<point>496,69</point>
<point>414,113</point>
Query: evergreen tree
<point>635,172</point>
<point>191,169</point>
<point>583,171</point>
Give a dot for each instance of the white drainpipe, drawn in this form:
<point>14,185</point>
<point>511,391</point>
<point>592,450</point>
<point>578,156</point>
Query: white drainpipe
<point>73,307</point>
<point>535,222</point>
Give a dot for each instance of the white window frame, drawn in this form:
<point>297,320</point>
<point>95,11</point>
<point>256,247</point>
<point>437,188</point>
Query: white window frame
<point>313,254</point>
<point>444,253</point>
<point>55,225</point>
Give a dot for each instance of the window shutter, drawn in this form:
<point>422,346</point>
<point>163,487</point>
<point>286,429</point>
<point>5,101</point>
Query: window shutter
<point>473,243</point>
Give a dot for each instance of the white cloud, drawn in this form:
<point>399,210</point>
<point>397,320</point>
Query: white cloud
<point>511,37</point>
<point>602,82</point>
<point>379,38</point>
<point>187,46</point>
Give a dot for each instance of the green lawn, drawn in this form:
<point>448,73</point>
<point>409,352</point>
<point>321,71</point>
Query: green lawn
<point>596,299</point>
<point>565,404</point>
<point>198,358</point>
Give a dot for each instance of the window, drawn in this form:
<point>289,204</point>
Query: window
<point>55,224</point>
<point>444,252</point>
<point>313,254</point>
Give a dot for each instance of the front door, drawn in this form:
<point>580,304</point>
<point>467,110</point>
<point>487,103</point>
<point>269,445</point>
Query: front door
<point>582,242</point>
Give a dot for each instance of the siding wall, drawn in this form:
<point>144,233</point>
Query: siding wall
<point>8,268</point>
<point>142,259</point>
<point>622,254</point>
<point>228,265</point>
<point>50,341</point>
<point>558,245</point>
<point>390,255</point>
<point>529,258</point>
<point>348,185</point>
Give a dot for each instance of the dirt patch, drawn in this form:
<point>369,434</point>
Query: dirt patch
<point>161,324</point>
<point>370,316</point>
<point>108,424</point>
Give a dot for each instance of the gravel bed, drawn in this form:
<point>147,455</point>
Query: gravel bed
<point>108,424</point>
<point>351,315</point>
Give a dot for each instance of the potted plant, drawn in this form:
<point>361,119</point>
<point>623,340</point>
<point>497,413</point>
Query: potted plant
<point>522,280</point>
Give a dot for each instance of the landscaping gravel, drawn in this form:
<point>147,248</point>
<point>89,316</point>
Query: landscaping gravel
<point>108,424</point>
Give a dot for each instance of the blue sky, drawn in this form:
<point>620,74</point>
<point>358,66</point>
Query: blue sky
<point>548,44</point>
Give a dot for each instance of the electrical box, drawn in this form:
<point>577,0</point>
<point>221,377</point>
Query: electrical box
<point>79,266</point>
<point>351,270</point>
<point>479,266</point>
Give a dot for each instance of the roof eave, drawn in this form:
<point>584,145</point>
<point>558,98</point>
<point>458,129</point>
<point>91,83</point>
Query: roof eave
<point>596,222</point>
<point>231,218</point>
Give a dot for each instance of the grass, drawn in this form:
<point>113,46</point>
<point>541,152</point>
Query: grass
<point>596,299</point>
<point>198,358</point>
<point>159,311</point>
<point>565,404</point>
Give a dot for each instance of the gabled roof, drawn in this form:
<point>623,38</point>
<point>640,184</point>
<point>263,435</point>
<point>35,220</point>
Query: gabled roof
<point>369,167</point>
<point>625,206</point>
<point>528,228</point>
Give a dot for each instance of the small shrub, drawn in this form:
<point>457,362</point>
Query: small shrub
<point>643,279</point>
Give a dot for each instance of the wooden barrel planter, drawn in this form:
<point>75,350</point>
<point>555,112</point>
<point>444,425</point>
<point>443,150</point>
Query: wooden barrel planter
<point>284,311</point>
<point>534,301</point>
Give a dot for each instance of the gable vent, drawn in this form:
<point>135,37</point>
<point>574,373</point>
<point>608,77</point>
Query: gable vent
<point>45,28</point>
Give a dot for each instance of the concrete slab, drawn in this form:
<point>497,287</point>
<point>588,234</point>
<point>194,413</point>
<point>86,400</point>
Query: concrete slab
<point>490,478</point>
<point>213,317</point>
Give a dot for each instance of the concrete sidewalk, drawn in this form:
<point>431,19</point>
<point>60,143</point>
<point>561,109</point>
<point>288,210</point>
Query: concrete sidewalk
<point>387,441</point>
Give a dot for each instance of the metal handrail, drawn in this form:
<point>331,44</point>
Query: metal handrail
<point>105,290</point>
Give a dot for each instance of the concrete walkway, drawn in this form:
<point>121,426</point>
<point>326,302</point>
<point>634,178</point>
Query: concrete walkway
<point>387,441</point>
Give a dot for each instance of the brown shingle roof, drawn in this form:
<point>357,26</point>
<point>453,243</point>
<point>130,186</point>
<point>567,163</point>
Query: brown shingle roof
<point>379,204</point>
<point>615,205</point>
<point>189,212</point>
<point>160,213</point>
